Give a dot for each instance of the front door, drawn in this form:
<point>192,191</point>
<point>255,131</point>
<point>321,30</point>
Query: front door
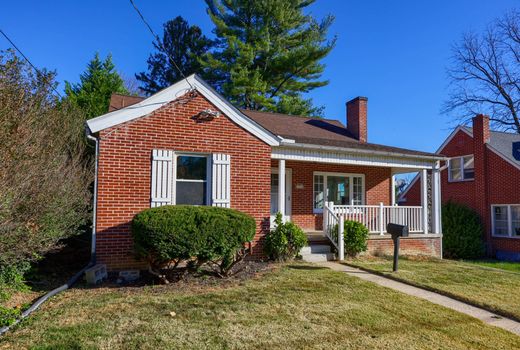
<point>274,193</point>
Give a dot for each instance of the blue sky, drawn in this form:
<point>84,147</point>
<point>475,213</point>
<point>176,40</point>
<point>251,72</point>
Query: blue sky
<point>393,52</point>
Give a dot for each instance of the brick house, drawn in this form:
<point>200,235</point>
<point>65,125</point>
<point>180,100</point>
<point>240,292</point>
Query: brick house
<point>188,145</point>
<point>483,172</point>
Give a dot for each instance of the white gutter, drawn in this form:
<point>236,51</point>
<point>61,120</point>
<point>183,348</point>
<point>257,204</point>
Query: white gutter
<point>358,150</point>
<point>94,209</point>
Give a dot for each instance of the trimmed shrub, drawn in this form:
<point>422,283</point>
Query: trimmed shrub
<point>285,241</point>
<point>167,235</point>
<point>355,237</point>
<point>462,232</point>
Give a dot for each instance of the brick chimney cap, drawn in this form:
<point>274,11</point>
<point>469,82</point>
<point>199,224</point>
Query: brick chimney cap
<point>359,98</point>
<point>481,116</point>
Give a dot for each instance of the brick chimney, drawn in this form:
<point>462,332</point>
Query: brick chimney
<point>357,118</point>
<point>480,139</point>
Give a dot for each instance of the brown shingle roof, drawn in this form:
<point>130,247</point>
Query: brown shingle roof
<point>306,130</point>
<point>118,101</point>
<point>322,132</point>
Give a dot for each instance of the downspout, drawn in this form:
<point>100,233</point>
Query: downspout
<point>78,275</point>
<point>94,209</point>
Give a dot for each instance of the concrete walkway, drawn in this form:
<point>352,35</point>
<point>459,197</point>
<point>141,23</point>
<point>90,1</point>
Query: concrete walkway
<point>483,315</point>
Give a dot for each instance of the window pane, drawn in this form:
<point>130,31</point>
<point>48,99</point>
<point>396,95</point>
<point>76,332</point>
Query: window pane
<point>191,193</point>
<point>338,190</point>
<point>469,168</point>
<point>500,220</point>
<point>274,193</point>
<point>357,190</point>
<point>515,216</point>
<point>191,168</point>
<point>318,192</point>
<point>455,169</point>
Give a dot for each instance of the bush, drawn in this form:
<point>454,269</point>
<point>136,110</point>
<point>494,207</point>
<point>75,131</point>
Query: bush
<point>8,316</point>
<point>285,241</point>
<point>167,235</point>
<point>355,238</point>
<point>44,195</point>
<point>462,232</point>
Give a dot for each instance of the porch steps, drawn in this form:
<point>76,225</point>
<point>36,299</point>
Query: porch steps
<point>317,253</point>
<point>317,237</point>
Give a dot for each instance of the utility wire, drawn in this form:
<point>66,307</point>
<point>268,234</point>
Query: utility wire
<point>159,42</point>
<point>30,63</point>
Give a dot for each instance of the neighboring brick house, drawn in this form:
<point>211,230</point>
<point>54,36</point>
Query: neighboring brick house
<point>483,173</point>
<point>188,145</point>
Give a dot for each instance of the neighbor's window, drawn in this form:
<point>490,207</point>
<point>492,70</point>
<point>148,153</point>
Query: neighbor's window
<point>461,168</point>
<point>342,189</point>
<point>191,182</point>
<point>506,220</point>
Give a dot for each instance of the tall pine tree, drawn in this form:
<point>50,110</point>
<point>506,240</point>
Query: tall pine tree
<point>269,53</point>
<point>182,43</point>
<point>97,83</point>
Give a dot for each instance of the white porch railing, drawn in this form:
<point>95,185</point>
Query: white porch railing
<point>333,228</point>
<point>374,217</point>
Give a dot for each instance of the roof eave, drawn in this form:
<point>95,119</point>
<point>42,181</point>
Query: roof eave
<point>432,157</point>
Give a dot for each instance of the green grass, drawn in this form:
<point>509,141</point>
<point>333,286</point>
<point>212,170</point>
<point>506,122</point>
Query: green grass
<point>503,265</point>
<point>494,289</point>
<point>296,307</point>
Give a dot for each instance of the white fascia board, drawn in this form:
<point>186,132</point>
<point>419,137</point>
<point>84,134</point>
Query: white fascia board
<point>362,151</point>
<point>172,93</point>
<point>350,158</point>
<point>451,136</point>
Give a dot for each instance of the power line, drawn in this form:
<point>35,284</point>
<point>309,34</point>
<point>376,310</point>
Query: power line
<point>30,63</point>
<point>156,37</point>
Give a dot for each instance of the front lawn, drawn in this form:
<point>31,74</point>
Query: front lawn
<point>298,306</point>
<point>495,289</point>
<point>503,265</point>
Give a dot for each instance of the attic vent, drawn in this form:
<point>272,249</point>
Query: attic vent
<point>206,115</point>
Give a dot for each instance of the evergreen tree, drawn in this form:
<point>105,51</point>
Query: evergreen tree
<point>182,43</point>
<point>269,53</point>
<point>97,83</point>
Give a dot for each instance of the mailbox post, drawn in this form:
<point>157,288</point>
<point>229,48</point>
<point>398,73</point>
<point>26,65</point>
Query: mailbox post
<point>397,231</point>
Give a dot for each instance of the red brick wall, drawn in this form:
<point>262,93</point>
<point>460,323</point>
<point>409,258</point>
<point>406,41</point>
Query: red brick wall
<point>410,246</point>
<point>377,188</point>
<point>495,177</point>
<point>502,188</point>
<point>125,167</point>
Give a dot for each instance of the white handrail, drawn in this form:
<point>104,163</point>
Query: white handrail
<point>376,217</point>
<point>330,223</point>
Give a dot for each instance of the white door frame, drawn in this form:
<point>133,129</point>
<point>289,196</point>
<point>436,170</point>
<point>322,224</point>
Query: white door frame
<point>288,193</point>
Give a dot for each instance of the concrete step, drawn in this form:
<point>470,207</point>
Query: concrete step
<point>318,257</point>
<point>315,249</point>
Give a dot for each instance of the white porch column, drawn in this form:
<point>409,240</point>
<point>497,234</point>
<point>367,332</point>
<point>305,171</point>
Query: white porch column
<point>392,189</point>
<point>424,199</point>
<point>436,199</point>
<point>281,187</point>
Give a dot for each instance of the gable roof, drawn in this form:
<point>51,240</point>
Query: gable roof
<point>163,97</point>
<point>321,132</point>
<point>272,128</point>
<point>501,143</point>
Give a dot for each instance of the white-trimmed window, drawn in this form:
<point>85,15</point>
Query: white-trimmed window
<point>461,168</point>
<point>342,189</point>
<point>191,180</point>
<point>505,220</point>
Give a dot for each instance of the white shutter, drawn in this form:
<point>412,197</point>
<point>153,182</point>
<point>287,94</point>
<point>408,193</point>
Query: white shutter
<point>221,181</point>
<point>162,178</point>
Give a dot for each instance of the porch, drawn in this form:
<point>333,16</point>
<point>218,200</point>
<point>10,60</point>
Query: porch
<point>318,195</point>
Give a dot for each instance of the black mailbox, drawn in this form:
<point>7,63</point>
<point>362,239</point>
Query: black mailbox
<point>397,231</point>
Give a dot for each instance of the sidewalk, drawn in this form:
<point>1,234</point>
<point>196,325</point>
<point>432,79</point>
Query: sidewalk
<point>483,315</point>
